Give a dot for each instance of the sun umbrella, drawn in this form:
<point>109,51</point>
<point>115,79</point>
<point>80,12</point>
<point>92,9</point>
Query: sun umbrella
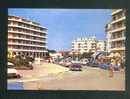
<point>117,54</point>
<point>111,55</point>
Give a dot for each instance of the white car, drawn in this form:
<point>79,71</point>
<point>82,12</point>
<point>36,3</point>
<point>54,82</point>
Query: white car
<point>12,72</point>
<point>76,62</point>
<point>61,62</point>
<point>67,64</point>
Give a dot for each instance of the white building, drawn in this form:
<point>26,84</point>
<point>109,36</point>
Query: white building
<point>26,37</point>
<point>108,37</point>
<point>101,45</point>
<point>85,44</point>
<point>116,30</point>
<point>90,44</point>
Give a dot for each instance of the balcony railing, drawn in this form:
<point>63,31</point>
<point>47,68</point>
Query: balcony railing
<point>117,48</point>
<point>11,25</point>
<point>117,29</point>
<point>115,11</point>
<point>29,34</point>
<point>118,19</point>
<point>23,44</point>
<point>26,50</point>
<point>29,23</point>
<point>118,35</point>
<point>26,39</point>
<point>118,39</point>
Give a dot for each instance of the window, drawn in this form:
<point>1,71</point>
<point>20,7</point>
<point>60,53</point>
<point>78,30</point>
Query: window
<point>20,24</point>
<point>114,18</point>
<point>9,22</point>
<point>41,29</point>
<point>9,28</point>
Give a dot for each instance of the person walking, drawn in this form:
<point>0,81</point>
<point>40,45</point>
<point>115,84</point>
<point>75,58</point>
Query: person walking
<point>111,67</point>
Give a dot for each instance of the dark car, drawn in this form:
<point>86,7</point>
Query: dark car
<point>67,63</point>
<point>76,67</point>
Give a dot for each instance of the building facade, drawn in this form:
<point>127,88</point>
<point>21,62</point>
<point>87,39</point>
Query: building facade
<point>90,44</point>
<point>108,37</point>
<point>116,30</point>
<point>101,45</point>
<point>26,37</point>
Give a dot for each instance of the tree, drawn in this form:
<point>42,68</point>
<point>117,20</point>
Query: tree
<point>51,51</point>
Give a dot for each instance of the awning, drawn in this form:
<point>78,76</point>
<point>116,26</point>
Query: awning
<point>117,54</point>
<point>111,55</point>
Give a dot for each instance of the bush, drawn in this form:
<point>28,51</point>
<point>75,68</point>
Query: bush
<point>11,60</point>
<point>19,61</point>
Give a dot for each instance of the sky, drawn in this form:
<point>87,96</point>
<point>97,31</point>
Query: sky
<point>65,25</point>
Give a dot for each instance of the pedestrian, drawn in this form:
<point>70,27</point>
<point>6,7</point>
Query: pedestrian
<point>119,64</point>
<point>111,68</point>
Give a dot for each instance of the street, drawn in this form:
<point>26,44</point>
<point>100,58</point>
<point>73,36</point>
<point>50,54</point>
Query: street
<point>48,76</point>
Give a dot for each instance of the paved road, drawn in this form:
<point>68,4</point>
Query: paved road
<point>40,70</point>
<point>63,79</point>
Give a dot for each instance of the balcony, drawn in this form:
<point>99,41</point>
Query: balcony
<point>29,45</point>
<point>29,34</point>
<point>26,39</point>
<point>116,11</point>
<point>118,39</point>
<point>29,22</point>
<point>118,20</point>
<point>26,50</point>
<point>22,27</point>
<point>118,29</point>
<point>117,49</point>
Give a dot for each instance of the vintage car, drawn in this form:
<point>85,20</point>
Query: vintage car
<point>75,67</point>
<point>12,72</point>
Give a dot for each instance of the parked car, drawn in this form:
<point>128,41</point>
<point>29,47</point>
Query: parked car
<point>76,62</point>
<point>62,62</point>
<point>75,66</point>
<point>67,63</point>
<point>12,72</point>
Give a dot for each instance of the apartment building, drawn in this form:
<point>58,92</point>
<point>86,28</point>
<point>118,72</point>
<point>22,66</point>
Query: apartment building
<point>82,45</point>
<point>108,37</point>
<point>101,45</point>
<point>116,30</point>
<point>26,37</point>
